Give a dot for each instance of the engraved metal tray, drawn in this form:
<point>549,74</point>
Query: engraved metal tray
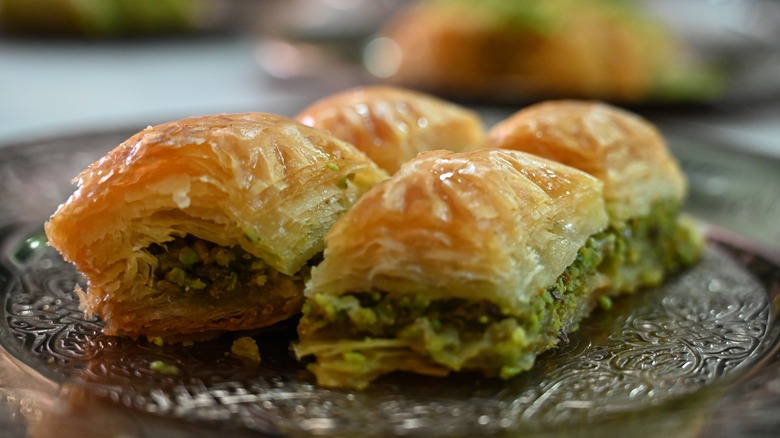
<point>696,357</point>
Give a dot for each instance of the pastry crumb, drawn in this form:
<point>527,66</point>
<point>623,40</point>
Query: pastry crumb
<point>246,348</point>
<point>162,367</point>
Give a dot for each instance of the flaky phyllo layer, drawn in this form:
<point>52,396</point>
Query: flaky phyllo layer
<point>443,267</point>
<point>208,224</point>
<point>359,336</point>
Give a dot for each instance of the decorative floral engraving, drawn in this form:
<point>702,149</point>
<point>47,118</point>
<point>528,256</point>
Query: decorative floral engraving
<point>654,347</point>
<point>657,348</point>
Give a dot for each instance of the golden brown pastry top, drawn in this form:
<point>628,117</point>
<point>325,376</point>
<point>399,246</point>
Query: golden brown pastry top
<point>484,224</point>
<point>392,125</point>
<point>264,182</point>
<point>508,50</point>
<point>623,150</point>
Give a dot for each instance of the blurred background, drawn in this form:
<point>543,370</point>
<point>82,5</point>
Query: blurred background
<point>706,71</point>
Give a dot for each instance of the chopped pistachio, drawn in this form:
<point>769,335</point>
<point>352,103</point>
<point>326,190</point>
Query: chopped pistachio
<point>161,367</point>
<point>246,347</point>
<point>197,284</point>
<point>332,166</point>
<point>260,280</point>
<point>231,281</point>
<point>251,234</point>
<point>177,276</point>
<point>222,256</point>
<point>188,256</point>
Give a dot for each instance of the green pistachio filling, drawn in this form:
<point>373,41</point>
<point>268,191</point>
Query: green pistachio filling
<point>456,333</point>
<point>189,266</point>
<point>646,249</point>
<point>359,336</point>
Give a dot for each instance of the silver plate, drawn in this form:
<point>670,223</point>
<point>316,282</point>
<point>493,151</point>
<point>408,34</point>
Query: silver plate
<point>698,356</point>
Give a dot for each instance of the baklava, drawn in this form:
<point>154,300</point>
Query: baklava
<point>208,224</point>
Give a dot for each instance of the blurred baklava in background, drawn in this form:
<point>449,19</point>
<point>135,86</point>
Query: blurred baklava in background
<point>519,50</point>
<point>110,18</point>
